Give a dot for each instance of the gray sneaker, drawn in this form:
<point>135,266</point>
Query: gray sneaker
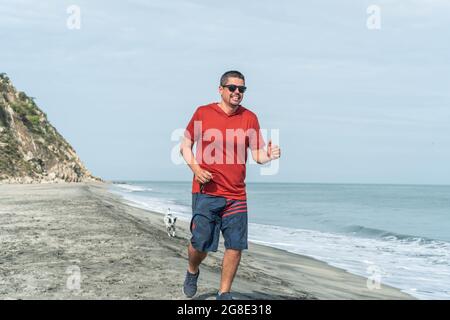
<point>190,284</point>
<point>224,296</point>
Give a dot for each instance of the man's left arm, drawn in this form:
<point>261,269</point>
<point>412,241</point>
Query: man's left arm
<point>263,156</point>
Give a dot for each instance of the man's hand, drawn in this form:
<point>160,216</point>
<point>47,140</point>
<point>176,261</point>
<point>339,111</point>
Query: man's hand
<point>263,156</point>
<point>273,152</point>
<point>202,176</point>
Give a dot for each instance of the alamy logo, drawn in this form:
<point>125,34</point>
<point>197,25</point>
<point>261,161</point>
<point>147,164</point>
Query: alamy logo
<point>374,20</point>
<point>230,148</point>
<point>374,280</point>
<point>73,282</point>
<point>74,19</point>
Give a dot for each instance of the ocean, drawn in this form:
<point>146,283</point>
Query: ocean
<point>398,234</point>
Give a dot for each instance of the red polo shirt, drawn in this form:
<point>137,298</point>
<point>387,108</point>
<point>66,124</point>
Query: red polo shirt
<point>222,143</point>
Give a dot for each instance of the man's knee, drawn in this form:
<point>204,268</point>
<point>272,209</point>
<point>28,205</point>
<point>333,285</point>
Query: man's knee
<point>234,252</point>
<point>195,251</point>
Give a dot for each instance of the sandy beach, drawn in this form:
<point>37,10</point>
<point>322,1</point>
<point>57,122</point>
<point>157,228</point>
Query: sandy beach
<point>50,232</point>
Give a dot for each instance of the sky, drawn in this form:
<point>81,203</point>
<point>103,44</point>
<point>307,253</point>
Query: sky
<point>352,104</point>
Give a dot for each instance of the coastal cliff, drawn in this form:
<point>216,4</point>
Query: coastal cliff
<point>31,149</point>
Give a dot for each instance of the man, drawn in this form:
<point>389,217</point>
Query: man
<point>223,132</point>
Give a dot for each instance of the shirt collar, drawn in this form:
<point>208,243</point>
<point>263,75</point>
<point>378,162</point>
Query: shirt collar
<point>219,109</point>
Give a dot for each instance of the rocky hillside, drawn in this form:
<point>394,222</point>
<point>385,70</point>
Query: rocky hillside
<point>31,150</point>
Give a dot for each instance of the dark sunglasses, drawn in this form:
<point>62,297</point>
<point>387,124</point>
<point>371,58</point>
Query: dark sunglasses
<point>233,88</point>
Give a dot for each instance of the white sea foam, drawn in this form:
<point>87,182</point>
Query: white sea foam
<point>150,203</point>
<point>131,188</point>
<point>420,268</point>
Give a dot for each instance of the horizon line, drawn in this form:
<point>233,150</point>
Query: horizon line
<point>281,182</point>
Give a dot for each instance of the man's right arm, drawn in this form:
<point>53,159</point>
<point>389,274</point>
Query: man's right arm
<point>202,176</point>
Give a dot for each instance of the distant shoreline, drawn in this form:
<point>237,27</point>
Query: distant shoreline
<point>305,183</point>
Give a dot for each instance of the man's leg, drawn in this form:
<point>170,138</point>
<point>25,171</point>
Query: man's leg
<point>230,263</point>
<point>190,282</point>
<point>195,259</point>
<point>234,230</point>
<point>205,231</point>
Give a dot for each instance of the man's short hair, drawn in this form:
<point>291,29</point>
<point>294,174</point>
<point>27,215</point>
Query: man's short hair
<point>230,74</point>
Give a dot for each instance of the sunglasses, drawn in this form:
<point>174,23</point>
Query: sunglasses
<point>233,88</point>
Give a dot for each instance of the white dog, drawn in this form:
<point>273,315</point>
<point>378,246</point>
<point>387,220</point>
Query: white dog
<point>169,221</point>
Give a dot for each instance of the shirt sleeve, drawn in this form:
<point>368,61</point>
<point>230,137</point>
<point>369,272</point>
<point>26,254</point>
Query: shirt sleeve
<point>256,140</point>
<point>192,131</point>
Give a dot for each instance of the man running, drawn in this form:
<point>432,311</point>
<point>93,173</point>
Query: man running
<point>223,132</point>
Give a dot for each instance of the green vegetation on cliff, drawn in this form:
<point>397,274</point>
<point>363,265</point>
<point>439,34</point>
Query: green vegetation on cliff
<point>31,149</point>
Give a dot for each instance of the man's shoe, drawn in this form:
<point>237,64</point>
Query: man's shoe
<point>224,296</point>
<point>190,284</point>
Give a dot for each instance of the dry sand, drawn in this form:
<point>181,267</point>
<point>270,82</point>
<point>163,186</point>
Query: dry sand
<point>50,232</point>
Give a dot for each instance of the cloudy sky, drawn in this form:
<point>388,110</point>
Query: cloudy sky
<point>352,104</point>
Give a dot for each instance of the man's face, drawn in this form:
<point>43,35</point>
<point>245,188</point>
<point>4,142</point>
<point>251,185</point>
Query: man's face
<point>232,98</point>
